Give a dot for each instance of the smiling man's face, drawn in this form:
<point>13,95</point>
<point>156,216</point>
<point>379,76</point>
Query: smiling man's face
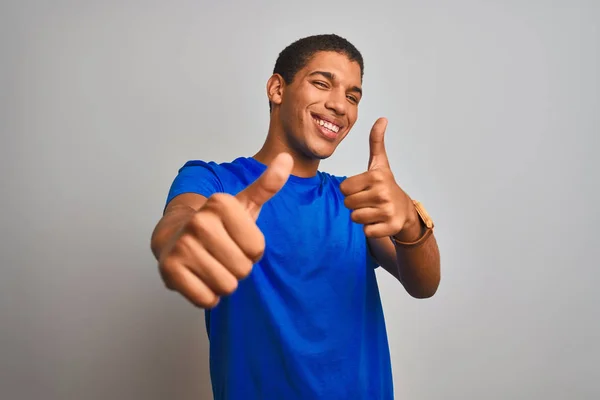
<point>320,106</point>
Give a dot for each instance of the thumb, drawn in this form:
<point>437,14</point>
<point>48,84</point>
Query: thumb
<point>377,153</point>
<point>267,185</point>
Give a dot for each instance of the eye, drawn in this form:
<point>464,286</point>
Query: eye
<point>353,99</point>
<point>320,84</point>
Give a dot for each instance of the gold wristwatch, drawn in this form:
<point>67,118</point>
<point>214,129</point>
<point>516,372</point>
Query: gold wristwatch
<point>426,221</point>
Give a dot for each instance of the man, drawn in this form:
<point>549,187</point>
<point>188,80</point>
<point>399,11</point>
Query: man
<point>282,256</point>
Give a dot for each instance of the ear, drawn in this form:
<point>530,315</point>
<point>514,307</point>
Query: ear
<point>275,86</point>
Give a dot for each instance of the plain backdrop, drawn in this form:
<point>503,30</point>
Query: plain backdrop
<point>493,111</point>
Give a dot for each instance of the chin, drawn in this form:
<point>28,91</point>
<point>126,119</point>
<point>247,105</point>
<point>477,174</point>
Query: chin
<point>320,154</point>
<point>323,156</point>
<point>315,147</point>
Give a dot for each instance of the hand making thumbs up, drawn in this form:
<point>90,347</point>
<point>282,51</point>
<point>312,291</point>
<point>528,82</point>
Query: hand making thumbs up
<point>374,196</point>
<point>221,242</point>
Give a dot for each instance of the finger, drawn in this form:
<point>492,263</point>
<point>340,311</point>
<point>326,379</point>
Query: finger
<point>367,215</point>
<point>268,184</point>
<point>239,224</point>
<point>197,259</point>
<point>377,153</point>
<point>365,198</point>
<point>211,272</point>
<point>191,287</point>
<point>377,230</point>
<point>227,253</point>
<point>355,184</point>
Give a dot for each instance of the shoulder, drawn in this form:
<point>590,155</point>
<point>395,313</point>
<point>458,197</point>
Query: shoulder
<point>199,166</point>
<point>228,176</point>
<point>206,177</point>
<point>218,169</point>
<point>196,171</point>
<point>335,180</point>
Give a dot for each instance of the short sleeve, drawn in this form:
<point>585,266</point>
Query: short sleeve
<point>196,177</point>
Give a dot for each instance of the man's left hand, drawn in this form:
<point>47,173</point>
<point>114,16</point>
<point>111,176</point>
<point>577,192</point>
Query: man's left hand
<point>375,198</point>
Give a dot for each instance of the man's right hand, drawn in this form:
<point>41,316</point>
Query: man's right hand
<point>218,245</point>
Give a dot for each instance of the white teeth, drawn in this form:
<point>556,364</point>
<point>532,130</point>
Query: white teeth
<point>328,125</point>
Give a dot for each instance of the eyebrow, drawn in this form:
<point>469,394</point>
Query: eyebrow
<point>331,77</point>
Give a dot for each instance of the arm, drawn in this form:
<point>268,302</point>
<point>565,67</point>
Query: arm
<point>205,245</point>
<point>417,267</point>
<point>189,191</point>
<point>386,210</point>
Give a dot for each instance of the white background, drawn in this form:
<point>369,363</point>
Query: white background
<point>493,112</point>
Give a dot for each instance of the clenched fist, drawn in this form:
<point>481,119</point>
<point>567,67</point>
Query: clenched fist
<point>217,245</point>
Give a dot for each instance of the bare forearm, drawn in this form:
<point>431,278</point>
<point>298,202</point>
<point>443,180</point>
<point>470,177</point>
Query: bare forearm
<point>419,263</point>
<point>419,267</point>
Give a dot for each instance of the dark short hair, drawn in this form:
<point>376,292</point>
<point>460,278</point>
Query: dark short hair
<point>296,55</point>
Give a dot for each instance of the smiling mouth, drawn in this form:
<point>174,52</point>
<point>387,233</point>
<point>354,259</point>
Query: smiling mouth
<point>330,126</point>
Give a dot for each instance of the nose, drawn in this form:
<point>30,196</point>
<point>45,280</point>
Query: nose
<point>337,102</point>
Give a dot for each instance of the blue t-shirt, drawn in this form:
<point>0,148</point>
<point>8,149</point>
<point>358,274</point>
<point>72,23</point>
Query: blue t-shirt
<point>307,323</point>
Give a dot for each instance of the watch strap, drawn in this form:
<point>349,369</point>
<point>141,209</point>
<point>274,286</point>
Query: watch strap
<point>425,221</point>
<point>428,232</point>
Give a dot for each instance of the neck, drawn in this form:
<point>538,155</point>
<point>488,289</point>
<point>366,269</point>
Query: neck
<point>277,142</point>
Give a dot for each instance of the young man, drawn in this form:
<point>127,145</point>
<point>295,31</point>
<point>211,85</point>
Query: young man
<point>282,256</point>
